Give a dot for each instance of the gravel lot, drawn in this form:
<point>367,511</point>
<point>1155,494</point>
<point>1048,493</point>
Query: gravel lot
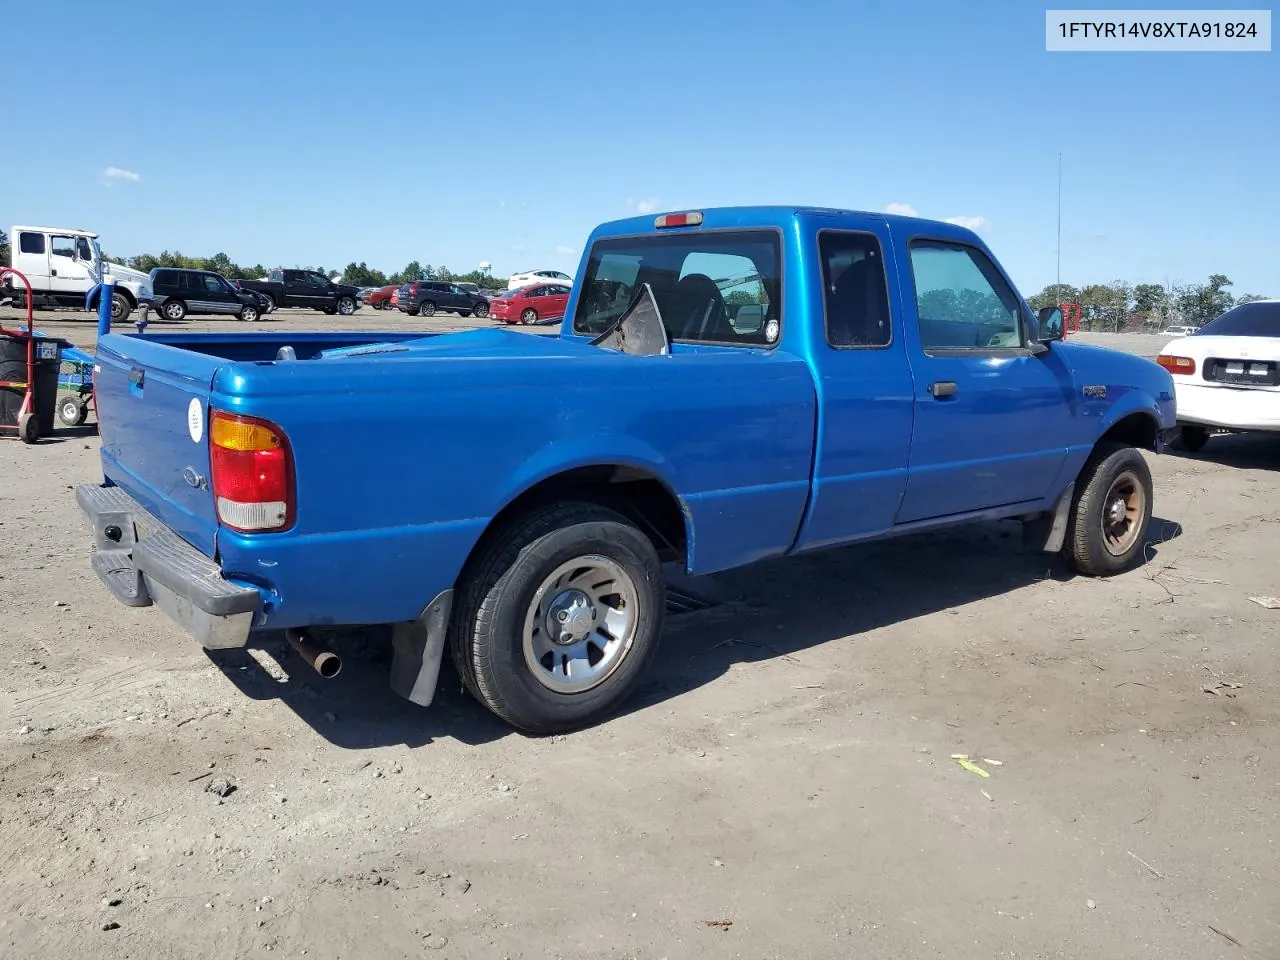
<point>785,773</point>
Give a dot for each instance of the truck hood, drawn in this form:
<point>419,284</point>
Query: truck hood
<point>121,273</point>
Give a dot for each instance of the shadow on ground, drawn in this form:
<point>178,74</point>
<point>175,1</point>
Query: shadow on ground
<point>1246,451</point>
<point>756,613</point>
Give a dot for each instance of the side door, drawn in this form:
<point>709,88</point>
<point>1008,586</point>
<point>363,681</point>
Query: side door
<point>67,272</point>
<point>993,418</point>
<point>863,378</point>
<point>458,298</point>
<point>557,300</point>
<point>31,257</point>
<point>298,291</point>
<point>218,293</point>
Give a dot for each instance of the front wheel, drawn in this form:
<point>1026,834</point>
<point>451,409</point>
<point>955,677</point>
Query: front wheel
<point>346,306</point>
<point>1192,437</point>
<point>249,314</point>
<point>558,616</point>
<point>120,308</point>
<point>1111,511</point>
<point>271,303</point>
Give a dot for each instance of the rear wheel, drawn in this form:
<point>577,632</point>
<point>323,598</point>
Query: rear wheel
<point>530,315</point>
<point>480,310</point>
<point>558,616</point>
<point>428,309</point>
<point>1192,437</point>
<point>72,411</point>
<point>174,310</point>
<point>1107,526</point>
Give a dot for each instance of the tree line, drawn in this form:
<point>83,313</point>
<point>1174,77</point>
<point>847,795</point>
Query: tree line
<point>1121,306</point>
<point>1118,306</point>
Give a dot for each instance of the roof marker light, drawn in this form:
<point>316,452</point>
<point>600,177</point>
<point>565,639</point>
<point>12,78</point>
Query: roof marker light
<point>678,220</point>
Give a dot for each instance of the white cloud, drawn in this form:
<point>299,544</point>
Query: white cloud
<point>116,173</point>
<point>566,250</point>
<point>645,205</point>
<point>969,223</point>
<point>901,210</point>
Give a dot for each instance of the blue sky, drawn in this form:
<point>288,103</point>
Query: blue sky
<point>455,133</point>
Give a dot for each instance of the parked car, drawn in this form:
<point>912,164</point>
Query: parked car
<point>862,391</point>
<point>526,277</point>
<point>533,304</point>
<point>380,297</point>
<point>427,297</point>
<point>180,292</point>
<point>306,288</point>
<point>1227,374</point>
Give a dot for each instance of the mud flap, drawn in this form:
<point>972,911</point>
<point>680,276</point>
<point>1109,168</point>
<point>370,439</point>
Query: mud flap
<point>1048,531</point>
<point>418,649</point>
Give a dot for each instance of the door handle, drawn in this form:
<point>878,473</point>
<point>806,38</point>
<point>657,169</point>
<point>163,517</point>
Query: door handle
<point>942,388</point>
<point>53,273</point>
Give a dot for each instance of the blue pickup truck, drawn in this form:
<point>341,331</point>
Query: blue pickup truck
<point>729,385</point>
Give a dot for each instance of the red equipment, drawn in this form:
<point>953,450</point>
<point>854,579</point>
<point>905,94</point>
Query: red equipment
<point>1070,318</point>
<point>26,428</point>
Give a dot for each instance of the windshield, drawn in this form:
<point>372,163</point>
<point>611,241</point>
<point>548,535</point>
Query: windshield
<point>1258,319</point>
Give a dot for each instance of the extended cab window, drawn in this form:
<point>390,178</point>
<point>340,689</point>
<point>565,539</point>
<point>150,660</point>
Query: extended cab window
<point>31,242</point>
<point>857,297</point>
<point>711,287</point>
<point>962,301</point>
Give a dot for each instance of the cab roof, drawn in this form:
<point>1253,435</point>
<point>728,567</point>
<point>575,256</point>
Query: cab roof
<point>59,231</point>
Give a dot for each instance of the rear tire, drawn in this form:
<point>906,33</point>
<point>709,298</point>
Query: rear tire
<point>479,311</point>
<point>526,633</point>
<point>428,309</point>
<point>1110,512</point>
<point>1192,437</point>
<point>174,310</point>
<point>529,316</point>
<point>72,411</point>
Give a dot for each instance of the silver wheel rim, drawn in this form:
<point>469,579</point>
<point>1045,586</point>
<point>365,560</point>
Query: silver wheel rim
<point>173,311</point>
<point>581,624</point>
<point>345,307</point>
<point>528,316</point>
<point>116,309</point>
<point>251,314</point>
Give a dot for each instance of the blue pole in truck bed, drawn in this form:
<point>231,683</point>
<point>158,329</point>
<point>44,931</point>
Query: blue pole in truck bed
<point>107,289</point>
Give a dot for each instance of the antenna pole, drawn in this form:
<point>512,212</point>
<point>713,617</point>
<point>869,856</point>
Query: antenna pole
<point>1059,282</point>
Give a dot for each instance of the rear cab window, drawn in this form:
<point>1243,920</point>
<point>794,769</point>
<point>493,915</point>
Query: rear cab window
<point>714,286</point>
<point>31,242</point>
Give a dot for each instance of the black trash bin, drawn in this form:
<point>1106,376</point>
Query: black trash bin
<point>13,369</point>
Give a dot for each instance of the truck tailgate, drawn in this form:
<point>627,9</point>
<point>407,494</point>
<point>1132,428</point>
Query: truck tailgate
<point>152,404</point>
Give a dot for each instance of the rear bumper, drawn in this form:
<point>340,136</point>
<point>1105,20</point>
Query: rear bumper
<point>142,562</point>
<point>1229,408</point>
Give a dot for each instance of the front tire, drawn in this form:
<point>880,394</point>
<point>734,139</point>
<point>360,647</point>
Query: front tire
<point>346,306</point>
<point>271,303</point>
<point>249,314</point>
<point>1192,437</point>
<point>120,308</point>
<point>558,616</point>
<point>1110,512</point>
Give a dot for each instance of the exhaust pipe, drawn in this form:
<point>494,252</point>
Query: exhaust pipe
<point>324,662</point>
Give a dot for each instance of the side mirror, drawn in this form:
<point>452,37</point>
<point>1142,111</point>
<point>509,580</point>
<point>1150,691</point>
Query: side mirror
<point>1050,320</point>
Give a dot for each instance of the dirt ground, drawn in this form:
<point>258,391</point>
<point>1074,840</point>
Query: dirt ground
<point>782,786</point>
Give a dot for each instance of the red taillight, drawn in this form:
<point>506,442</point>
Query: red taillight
<point>252,471</point>
<point>1182,365</point>
<point>678,220</point>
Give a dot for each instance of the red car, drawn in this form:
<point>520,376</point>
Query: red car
<point>380,299</point>
<point>531,304</point>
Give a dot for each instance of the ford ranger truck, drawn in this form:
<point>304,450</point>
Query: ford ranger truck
<point>728,386</point>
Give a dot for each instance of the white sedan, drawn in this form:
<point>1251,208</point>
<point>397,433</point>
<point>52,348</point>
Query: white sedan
<point>1226,375</point>
<point>526,278</point>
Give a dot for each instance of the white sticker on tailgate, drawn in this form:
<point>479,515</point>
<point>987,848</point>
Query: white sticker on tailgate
<point>195,419</point>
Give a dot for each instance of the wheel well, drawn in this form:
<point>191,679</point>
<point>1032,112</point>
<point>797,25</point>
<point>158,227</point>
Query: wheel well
<point>1137,430</point>
<point>635,493</point>
<point>123,291</point>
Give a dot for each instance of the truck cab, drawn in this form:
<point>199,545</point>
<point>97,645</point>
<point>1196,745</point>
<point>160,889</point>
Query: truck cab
<point>63,264</point>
